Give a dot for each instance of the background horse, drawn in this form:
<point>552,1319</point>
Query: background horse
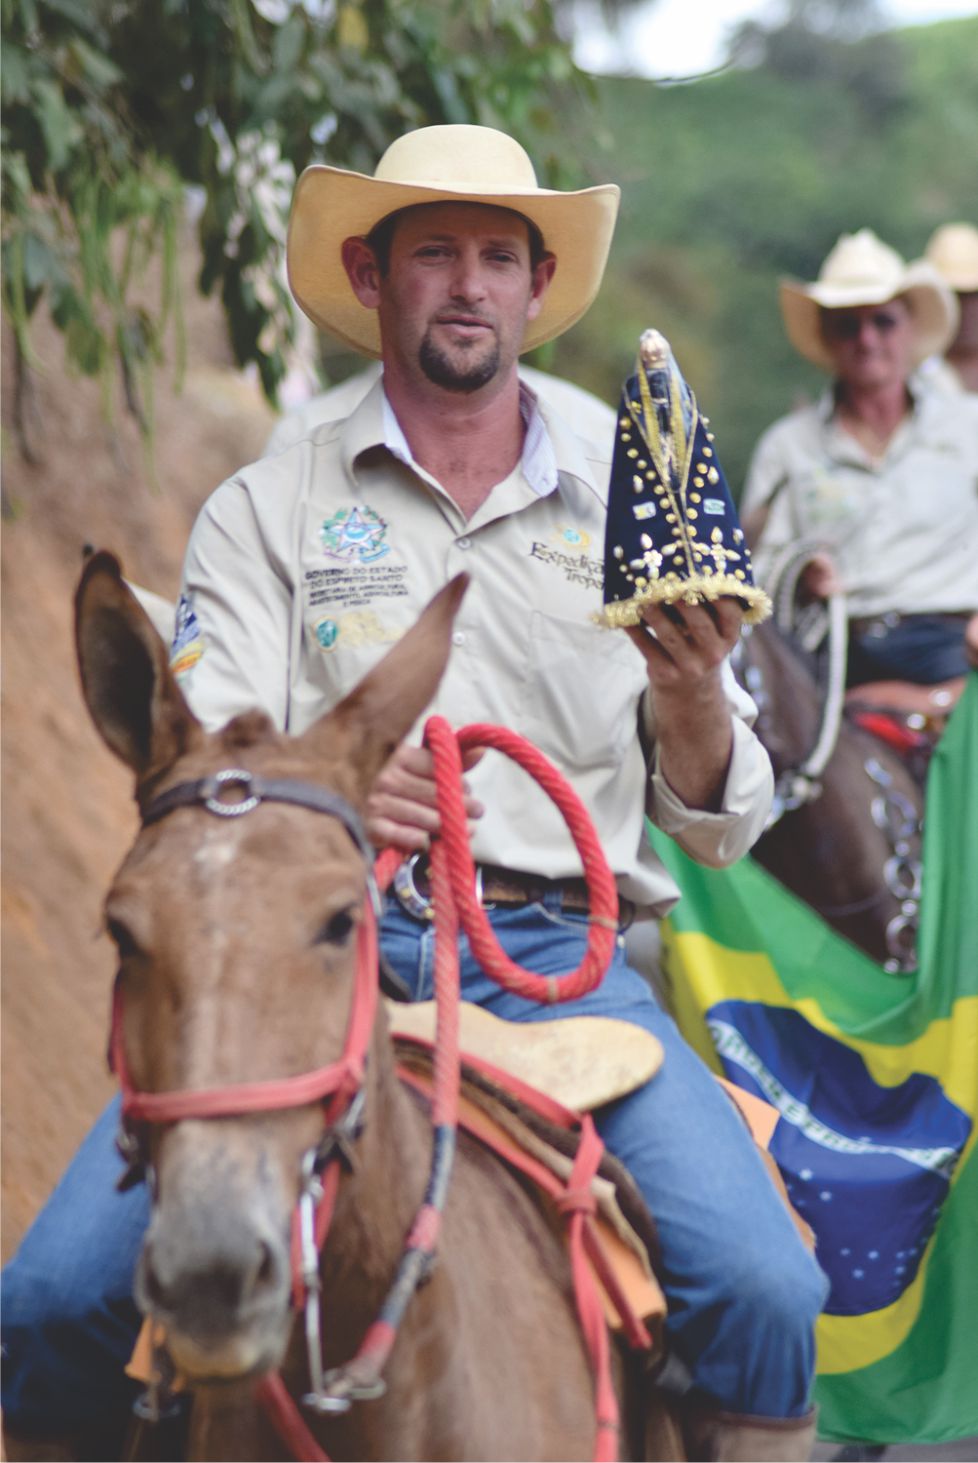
<point>237,940</point>
<point>845,830</point>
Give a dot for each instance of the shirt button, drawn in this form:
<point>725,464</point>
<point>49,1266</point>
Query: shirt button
<point>463,543</point>
<point>458,638</point>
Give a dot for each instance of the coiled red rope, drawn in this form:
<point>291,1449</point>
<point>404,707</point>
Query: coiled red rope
<point>452,850</point>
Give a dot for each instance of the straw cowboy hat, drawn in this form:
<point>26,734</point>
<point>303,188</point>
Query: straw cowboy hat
<point>953,251</point>
<point>458,163</point>
<point>862,270</point>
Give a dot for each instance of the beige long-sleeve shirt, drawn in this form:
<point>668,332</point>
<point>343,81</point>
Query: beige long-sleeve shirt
<point>304,568</point>
<point>902,529</point>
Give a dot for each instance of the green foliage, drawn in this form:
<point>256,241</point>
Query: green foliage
<point>733,181</point>
<point>112,108</point>
<point>85,207</point>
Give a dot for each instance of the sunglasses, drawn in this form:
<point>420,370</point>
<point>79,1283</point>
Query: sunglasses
<point>843,326</point>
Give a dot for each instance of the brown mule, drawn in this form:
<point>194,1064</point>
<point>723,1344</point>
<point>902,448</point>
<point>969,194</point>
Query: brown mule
<point>848,841</point>
<point>237,938</point>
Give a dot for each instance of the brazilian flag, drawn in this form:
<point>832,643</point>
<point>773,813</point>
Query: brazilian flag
<point>875,1078</point>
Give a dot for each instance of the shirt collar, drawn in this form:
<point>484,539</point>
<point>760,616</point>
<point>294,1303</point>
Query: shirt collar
<point>917,390</point>
<point>538,461</point>
<point>551,449</point>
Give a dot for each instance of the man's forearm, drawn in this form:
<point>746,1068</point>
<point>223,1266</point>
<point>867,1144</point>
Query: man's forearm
<point>695,741</point>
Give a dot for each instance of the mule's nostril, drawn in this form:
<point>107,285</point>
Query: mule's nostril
<point>267,1271</point>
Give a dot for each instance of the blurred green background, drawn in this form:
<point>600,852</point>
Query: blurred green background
<point>116,112</point>
<point>732,181</point>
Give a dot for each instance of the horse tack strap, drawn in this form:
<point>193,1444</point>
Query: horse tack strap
<point>211,792</point>
<point>272,1394</point>
<point>340,1080</point>
<point>629,1295</point>
<point>577,1201</point>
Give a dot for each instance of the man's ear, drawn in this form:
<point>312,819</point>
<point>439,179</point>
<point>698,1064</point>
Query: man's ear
<point>543,273</point>
<point>362,270</point>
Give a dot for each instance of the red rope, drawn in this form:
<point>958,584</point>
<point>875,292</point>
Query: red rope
<point>453,882</point>
<point>272,1393</point>
<point>446,747</point>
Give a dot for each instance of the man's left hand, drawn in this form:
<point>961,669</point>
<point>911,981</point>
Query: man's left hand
<point>688,642</point>
<point>684,647</point>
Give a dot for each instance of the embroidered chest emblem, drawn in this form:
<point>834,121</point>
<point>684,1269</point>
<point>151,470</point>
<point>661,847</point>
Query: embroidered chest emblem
<point>354,534</point>
<point>572,540</point>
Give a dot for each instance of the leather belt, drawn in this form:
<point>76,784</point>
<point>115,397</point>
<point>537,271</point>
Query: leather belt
<point>879,625</point>
<point>494,885</point>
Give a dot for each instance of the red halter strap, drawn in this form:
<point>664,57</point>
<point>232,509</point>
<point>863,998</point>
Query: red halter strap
<point>341,1079</point>
<point>232,793</point>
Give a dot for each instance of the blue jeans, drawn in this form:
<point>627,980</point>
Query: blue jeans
<point>743,1292</point>
<point>925,649</point>
<point>69,1319</point>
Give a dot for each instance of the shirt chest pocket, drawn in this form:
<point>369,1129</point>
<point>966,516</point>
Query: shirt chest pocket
<point>583,690</point>
<point>828,502</point>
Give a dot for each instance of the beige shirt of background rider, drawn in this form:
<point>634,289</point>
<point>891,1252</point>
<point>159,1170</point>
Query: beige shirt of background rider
<point>339,561</point>
<point>902,529</point>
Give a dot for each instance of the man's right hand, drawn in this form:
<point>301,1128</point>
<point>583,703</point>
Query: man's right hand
<point>820,578</point>
<point>402,808</point>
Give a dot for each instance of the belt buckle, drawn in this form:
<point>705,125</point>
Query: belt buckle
<point>421,906</point>
<point>407,891</point>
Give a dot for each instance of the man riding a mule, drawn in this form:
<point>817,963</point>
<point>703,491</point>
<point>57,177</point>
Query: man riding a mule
<point>304,568</point>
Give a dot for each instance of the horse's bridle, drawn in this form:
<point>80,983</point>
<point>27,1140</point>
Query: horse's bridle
<point>230,793</point>
<point>340,1079</point>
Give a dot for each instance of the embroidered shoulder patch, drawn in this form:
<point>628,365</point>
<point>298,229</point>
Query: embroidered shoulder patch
<point>188,641</point>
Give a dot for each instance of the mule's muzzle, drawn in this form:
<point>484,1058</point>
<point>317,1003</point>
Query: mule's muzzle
<point>222,1293</point>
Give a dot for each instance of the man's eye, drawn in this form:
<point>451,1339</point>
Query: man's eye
<point>337,929</point>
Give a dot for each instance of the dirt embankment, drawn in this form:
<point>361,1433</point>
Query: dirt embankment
<point>67,809</point>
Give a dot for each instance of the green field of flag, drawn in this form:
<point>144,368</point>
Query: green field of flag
<point>876,1079</point>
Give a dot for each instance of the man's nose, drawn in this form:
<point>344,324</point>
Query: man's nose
<point>868,332</point>
<point>468,278</point>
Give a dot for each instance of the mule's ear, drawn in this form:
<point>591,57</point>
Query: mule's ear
<point>380,711</point>
<point>129,688</point>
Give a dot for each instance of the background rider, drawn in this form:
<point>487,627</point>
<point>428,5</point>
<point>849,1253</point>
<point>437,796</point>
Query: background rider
<point>878,479</point>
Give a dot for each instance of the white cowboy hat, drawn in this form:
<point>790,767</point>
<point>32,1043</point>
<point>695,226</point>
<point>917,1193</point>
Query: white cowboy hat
<point>953,251</point>
<point>862,270</point>
<point>435,165</point>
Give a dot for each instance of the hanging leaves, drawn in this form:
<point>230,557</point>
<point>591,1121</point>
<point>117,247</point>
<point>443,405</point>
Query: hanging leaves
<point>113,109</point>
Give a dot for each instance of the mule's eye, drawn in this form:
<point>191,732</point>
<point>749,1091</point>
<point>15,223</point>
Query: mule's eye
<point>337,929</point>
<point>122,938</point>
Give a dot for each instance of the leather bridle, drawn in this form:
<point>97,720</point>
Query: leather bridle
<point>339,1085</point>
